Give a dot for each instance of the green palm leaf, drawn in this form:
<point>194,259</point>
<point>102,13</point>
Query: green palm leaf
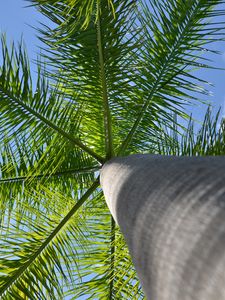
<point>208,140</point>
<point>99,61</point>
<point>174,41</point>
<point>39,113</point>
<point>41,243</point>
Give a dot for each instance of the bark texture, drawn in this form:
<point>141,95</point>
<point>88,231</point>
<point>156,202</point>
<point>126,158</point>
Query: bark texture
<point>171,211</point>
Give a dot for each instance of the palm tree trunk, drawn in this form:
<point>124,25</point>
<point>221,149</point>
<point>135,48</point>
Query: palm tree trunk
<point>171,211</point>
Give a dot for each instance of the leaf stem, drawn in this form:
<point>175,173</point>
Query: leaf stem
<point>112,263</point>
<point>107,114</point>
<point>61,173</point>
<point>66,135</point>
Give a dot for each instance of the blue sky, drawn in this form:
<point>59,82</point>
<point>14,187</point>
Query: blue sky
<point>16,20</point>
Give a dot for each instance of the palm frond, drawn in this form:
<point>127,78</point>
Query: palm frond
<point>83,10</point>
<point>175,35</point>
<point>64,169</point>
<point>209,139</point>
<point>99,64</point>
<point>40,243</point>
<point>36,114</point>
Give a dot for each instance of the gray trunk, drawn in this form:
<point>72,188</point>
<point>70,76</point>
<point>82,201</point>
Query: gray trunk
<point>171,211</point>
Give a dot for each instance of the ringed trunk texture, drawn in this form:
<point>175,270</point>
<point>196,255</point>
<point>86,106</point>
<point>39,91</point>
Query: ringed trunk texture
<point>171,211</point>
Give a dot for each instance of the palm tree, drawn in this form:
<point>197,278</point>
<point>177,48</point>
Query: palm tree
<point>111,79</point>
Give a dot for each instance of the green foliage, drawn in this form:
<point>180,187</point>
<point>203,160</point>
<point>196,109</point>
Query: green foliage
<point>116,78</point>
<point>208,140</point>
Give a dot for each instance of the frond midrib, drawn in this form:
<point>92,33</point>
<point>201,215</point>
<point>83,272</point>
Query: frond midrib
<point>60,173</point>
<point>112,253</point>
<point>106,108</point>
<point>64,134</point>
